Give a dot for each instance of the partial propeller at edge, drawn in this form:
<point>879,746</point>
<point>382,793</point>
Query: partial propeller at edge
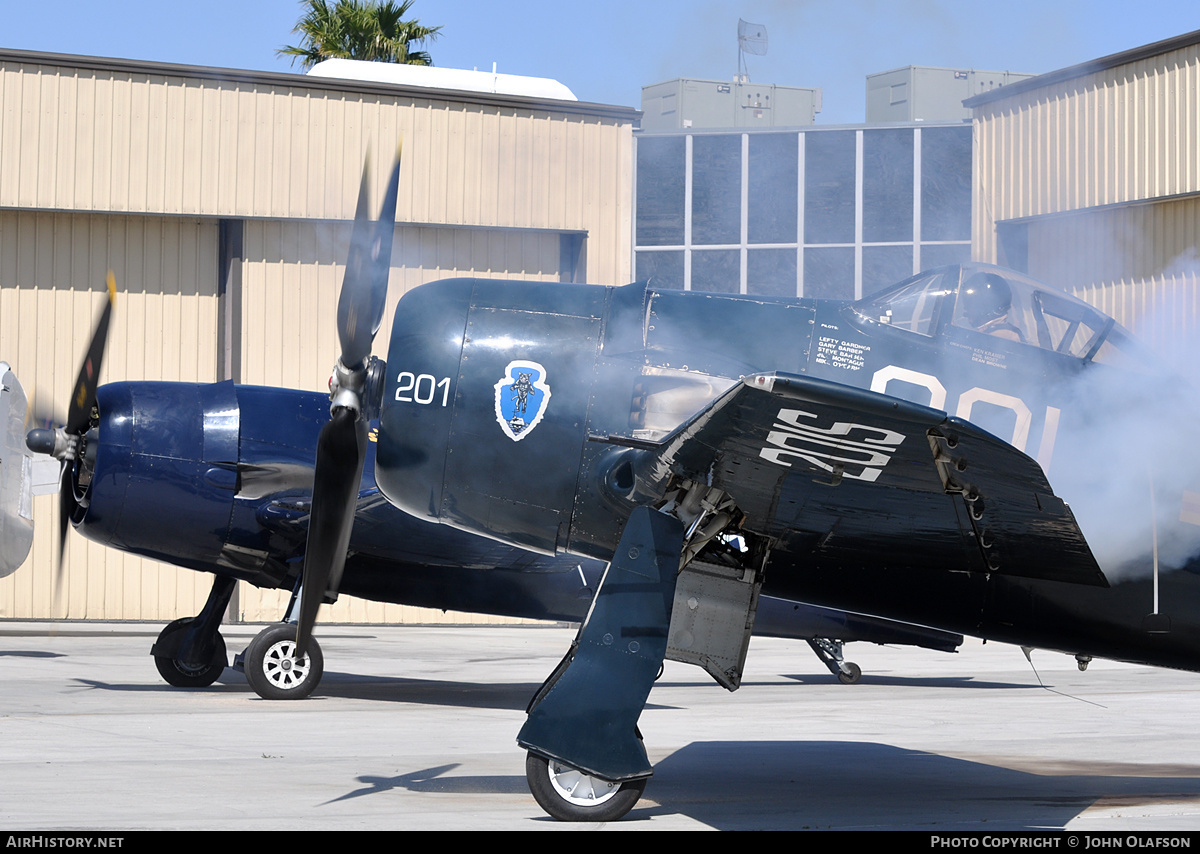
<point>342,445</point>
<point>68,443</point>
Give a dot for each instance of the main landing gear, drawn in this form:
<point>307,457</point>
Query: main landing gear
<point>194,671</point>
<point>586,761</point>
<point>190,653</point>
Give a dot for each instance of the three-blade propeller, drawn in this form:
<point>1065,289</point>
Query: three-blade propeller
<point>66,443</point>
<point>342,446</point>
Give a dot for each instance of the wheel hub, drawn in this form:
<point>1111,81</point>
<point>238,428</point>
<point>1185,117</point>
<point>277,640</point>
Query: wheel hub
<point>580,789</point>
<point>281,668</point>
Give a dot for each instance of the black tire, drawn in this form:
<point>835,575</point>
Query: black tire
<point>570,795</point>
<point>181,675</point>
<point>853,676</point>
<point>271,671</point>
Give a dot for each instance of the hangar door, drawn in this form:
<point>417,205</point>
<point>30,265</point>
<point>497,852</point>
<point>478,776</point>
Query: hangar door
<point>1139,263</point>
<point>164,327</point>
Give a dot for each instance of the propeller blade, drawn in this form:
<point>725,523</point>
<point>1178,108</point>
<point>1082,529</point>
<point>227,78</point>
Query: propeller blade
<point>84,396</point>
<point>64,443</point>
<point>341,450</point>
<point>66,506</point>
<point>342,445</point>
<point>364,290</point>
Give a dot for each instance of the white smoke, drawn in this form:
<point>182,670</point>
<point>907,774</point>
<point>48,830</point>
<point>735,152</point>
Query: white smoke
<point>1132,465</point>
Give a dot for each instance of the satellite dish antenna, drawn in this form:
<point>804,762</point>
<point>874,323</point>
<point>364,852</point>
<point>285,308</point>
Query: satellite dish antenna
<point>752,38</point>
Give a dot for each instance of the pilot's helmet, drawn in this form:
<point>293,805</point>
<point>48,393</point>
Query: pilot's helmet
<point>985,297</point>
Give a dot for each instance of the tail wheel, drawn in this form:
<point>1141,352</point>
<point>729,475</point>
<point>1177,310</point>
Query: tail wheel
<point>850,673</point>
<point>571,795</point>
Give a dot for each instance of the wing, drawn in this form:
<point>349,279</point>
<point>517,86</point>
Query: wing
<point>864,476</point>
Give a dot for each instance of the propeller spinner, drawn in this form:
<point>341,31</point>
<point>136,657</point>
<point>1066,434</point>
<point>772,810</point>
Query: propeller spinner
<point>68,443</point>
<point>342,445</point>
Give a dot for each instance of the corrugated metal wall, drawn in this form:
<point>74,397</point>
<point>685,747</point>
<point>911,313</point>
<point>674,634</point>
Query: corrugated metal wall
<point>293,271</point>
<point>1123,134</point>
<point>1137,263</point>
<point>52,269</point>
<point>79,139</point>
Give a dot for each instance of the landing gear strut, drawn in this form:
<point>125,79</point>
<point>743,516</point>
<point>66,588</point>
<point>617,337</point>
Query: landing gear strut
<point>586,761</point>
<point>190,653</point>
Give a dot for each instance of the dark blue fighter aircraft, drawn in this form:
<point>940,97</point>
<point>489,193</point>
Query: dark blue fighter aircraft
<point>219,478</point>
<point>700,444</point>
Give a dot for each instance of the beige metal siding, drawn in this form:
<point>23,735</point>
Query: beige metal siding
<point>1137,263</point>
<point>52,269</point>
<point>1123,134</point>
<point>91,140</point>
<point>293,271</point>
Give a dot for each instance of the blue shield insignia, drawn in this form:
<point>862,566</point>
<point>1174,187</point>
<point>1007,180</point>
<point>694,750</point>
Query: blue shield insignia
<point>521,398</point>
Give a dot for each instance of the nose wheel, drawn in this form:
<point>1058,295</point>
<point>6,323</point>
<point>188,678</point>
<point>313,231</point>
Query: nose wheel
<point>272,669</point>
<point>570,795</point>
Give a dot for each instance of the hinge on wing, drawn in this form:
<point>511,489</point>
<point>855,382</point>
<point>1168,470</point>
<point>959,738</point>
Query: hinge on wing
<point>951,461</point>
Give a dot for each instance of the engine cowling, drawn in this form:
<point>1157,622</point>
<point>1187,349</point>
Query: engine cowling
<point>165,470</point>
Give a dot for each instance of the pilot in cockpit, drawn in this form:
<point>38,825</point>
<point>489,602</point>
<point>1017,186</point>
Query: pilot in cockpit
<point>985,301</point>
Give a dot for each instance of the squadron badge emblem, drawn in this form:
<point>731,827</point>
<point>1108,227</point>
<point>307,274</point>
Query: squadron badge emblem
<point>521,398</point>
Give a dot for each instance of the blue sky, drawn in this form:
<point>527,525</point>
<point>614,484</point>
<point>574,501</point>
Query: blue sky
<point>606,51</point>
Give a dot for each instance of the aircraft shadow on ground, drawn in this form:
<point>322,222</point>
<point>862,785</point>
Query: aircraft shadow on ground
<point>907,681</point>
<point>821,785</point>
<point>512,695</point>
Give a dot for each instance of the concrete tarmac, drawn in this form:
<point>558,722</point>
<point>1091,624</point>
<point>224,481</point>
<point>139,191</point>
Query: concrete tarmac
<point>414,728</point>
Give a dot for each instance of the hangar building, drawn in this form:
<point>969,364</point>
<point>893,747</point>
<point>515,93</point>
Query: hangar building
<point>222,199</point>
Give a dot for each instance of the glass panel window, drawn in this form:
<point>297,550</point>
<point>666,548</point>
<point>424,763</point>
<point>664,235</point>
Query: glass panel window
<point>887,185</point>
<point>946,183</point>
<point>774,179</point>
<point>829,272</point>
<point>718,270</point>
<point>771,272</point>
<point>661,269</point>
<point>717,189</point>
<point>944,255</point>
<point>829,187</point>
<point>660,190</point>
<point>883,266</point>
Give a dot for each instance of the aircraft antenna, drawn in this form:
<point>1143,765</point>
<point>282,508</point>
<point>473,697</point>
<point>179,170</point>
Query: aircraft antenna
<point>752,39</point>
<point>1028,650</point>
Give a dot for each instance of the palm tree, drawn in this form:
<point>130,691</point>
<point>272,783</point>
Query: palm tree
<point>367,30</point>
